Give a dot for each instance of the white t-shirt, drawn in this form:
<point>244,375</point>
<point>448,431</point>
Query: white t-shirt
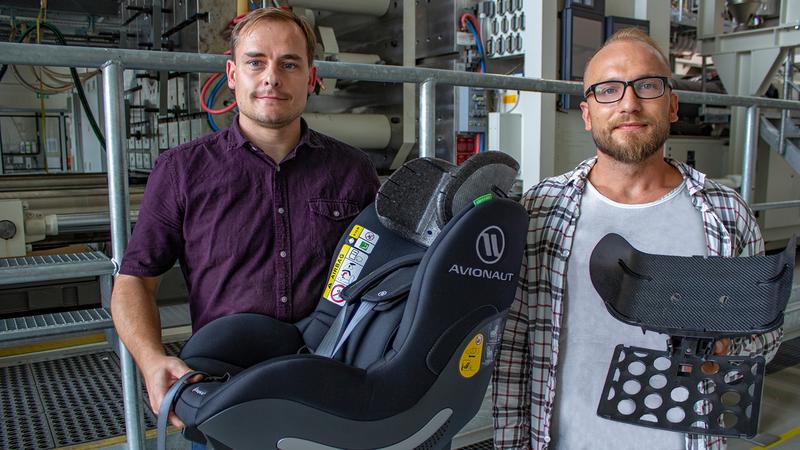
<point>667,226</point>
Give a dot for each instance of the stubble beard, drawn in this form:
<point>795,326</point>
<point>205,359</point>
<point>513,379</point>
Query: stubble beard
<point>637,147</point>
<point>281,120</point>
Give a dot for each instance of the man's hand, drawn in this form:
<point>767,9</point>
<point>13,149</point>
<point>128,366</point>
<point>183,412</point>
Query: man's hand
<point>159,375</point>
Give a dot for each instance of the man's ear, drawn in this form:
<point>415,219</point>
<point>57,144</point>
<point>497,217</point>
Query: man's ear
<point>230,71</point>
<point>673,107</point>
<point>587,119</point>
<point>312,79</point>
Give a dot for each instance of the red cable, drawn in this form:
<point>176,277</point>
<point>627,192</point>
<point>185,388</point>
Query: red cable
<point>206,85</point>
<point>473,19</point>
<point>236,20</point>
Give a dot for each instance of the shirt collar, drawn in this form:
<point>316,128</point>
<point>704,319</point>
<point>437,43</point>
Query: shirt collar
<point>695,180</point>
<point>580,174</point>
<point>308,137</point>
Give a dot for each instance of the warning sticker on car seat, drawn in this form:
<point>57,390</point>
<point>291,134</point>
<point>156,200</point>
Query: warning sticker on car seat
<point>349,262</point>
<point>363,239</point>
<point>337,265</point>
<point>470,361</point>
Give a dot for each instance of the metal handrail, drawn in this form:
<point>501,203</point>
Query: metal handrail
<point>13,53</point>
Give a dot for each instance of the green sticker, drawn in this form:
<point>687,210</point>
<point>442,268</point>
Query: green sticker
<point>481,199</point>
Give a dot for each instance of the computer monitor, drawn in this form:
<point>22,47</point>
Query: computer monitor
<point>582,34</point>
<point>597,6</point>
<point>616,23</point>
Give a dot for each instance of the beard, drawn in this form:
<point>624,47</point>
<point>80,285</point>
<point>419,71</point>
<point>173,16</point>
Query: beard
<point>635,147</point>
<point>273,120</point>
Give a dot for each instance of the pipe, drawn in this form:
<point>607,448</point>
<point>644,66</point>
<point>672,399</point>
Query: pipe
<point>750,153</point>
<point>84,222</point>
<point>357,58</point>
<point>120,232</point>
<point>242,7</point>
<point>13,53</point>
<point>365,7</point>
<point>50,182</point>
<point>371,131</point>
<point>68,201</point>
<point>775,205</point>
<point>427,119</point>
<point>787,89</point>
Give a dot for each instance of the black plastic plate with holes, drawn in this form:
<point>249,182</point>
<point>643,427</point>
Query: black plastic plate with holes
<point>719,395</point>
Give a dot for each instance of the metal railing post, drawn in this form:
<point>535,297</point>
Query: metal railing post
<point>118,197</point>
<point>427,119</point>
<point>750,153</point>
<point>787,92</point>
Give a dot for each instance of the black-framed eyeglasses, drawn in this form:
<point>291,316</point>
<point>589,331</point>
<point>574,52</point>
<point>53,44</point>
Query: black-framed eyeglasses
<point>611,91</point>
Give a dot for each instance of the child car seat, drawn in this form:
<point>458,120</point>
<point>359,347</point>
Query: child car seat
<point>399,351</point>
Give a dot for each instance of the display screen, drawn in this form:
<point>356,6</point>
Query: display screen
<point>587,37</point>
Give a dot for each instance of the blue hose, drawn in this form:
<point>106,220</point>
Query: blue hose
<point>210,101</point>
<point>479,45</point>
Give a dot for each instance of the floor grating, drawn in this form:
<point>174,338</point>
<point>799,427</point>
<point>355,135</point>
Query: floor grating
<point>63,402</point>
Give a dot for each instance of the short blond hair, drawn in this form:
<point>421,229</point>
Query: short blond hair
<point>275,14</point>
<point>636,35</point>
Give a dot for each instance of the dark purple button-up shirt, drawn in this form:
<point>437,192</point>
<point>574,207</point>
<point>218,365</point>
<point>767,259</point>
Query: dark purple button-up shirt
<point>251,235</point>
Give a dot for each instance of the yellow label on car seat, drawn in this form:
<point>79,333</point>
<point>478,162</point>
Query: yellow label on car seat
<point>356,231</point>
<point>470,361</point>
<point>332,290</point>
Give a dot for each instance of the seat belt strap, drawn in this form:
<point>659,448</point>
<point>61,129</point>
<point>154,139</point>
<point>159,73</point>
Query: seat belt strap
<point>363,309</point>
<point>332,342</point>
<point>167,403</point>
<point>328,343</point>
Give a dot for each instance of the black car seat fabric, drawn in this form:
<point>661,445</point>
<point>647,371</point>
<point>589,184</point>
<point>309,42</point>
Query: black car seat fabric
<point>414,302</point>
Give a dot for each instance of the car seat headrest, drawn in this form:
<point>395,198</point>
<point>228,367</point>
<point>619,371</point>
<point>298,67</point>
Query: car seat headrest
<point>420,197</point>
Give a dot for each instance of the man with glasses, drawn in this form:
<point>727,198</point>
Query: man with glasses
<point>559,337</point>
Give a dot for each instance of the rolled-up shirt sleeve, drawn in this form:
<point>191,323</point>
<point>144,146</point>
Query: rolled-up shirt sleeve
<point>157,239</point>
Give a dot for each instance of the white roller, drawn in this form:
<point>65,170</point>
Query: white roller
<point>368,7</point>
<point>358,58</point>
<point>359,130</point>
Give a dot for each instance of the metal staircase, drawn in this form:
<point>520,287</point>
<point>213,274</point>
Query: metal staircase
<point>53,268</point>
<point>770,131</point>
<point>782,134</point>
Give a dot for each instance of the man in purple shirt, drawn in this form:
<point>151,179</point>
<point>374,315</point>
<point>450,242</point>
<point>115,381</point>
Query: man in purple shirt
<point>252,213</point>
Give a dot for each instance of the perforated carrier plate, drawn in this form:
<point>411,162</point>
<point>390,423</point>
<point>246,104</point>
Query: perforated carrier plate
<point>719,395</point>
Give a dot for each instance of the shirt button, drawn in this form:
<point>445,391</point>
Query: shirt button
<point>547,438</point>
<point>280,210</point>
<point>283,254</point>
<point>336,214</point>
<point>284,299</point>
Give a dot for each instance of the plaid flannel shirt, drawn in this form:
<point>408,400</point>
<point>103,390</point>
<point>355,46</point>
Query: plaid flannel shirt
<point>524,382</point>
